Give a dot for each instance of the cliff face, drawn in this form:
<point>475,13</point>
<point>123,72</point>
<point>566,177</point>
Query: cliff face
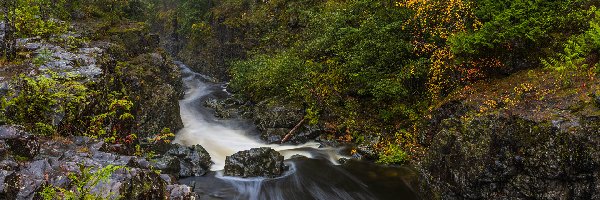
<point>517,137</point>
<point>149,74</point>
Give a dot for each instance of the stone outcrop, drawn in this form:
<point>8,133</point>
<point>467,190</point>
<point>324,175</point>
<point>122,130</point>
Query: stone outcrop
<point>272,121</point>
<point>509,157</point>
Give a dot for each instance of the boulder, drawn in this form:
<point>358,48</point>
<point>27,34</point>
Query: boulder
<point>181,192</point>
<point>256,162</point>
<point>184,161</point>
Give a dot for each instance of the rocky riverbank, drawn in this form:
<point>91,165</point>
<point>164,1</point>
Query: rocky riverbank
<point>107,81</point>
<point>514,138</point>
<point>32,166</point>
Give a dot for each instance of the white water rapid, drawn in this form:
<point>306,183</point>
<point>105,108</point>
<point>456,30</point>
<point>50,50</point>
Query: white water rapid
<point>224,137</point>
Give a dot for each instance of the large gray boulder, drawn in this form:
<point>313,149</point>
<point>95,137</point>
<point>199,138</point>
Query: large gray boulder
<point>184,161</point>
<point>256,162</point>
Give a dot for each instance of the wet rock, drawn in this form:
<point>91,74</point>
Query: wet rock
<point>12,185</point>
<point>4,148</point>
<point>3,175</point>
<point>3,87</point>
<point>256,162</point>
<point>116,148</point>
<point>227,108</point>
<point>168,164</point>
<point>266,116</point>
<point>366,152</point>
<point>8,164</point>
<point>184,161</point>
<point>139,163</point>
<point>274,135</point>
<point>144,185</point>
<point>180,192</point>
<point>131,184</point>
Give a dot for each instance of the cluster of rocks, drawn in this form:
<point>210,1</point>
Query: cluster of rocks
<point>79,61</point>
<point>273,122</point>
<point>30,163</point>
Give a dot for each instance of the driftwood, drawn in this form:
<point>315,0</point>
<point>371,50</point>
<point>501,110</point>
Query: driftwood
<point>289,135</point>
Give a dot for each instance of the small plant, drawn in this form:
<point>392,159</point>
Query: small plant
<point>392,154</point>
<point>165,136</point>
<point>43,57</point>
<point>81,184</point>
<point>35,101</point>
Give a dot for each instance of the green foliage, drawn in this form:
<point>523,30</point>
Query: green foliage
<point>34,18</point>
<point>109,10</point>
<point>356,50</point>
<point>392,154</point>
<point>521,31</point>
<point>61,104</point>
<point>577,49</point>
<point>38,102</point>
<point>81,184</point>
<point>43,56</point>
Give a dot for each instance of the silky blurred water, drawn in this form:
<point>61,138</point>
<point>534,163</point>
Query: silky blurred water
<point>317,175</point>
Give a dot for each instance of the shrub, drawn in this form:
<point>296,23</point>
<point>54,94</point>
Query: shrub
<point>81,184</point>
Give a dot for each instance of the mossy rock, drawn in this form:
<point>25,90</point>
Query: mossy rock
<point>503,157</point>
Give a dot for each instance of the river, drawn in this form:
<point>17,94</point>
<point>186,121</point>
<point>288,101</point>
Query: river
<point>314,175</point>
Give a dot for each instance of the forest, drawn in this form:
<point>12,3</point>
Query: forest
<point>369,68</point>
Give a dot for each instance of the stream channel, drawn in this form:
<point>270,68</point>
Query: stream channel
<point>317,175</point>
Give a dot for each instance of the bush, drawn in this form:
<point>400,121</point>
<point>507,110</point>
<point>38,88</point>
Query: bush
<point>41,103</point>
<point>81,184</point>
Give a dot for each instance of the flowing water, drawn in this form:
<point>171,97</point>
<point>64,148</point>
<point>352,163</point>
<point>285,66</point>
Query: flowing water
<point>317,175</point>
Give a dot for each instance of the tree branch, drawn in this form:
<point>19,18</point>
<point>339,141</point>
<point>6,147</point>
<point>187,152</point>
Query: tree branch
<point>289,135</point>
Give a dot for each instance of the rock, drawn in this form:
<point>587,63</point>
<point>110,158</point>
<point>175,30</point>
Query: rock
<point>4,87</point>
<point>302,135</point>
<point>512,158</point>
<point>12,185</point>
<point>274,135</point>
<point>131,184</point>
<point>184,161</point>
<point>180,192</point>
<point>19,142</point>
<point>168,164</point>
<point>256,162</point>
<point>144,185</point>
<point>266,116</point>
<point>160,96</point>
<point>26,183</point>
<point>139,163</point>
<point>3,175</point>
